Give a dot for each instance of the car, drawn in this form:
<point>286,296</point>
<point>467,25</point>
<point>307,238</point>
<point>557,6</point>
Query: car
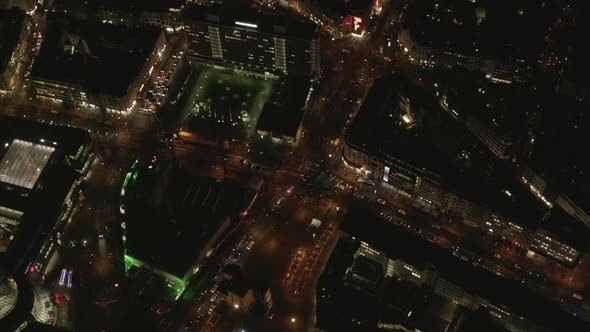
<point>402,212</point>
<point>381,201</point>
<point>250,245</point>
<point>213,297</point>
<point>214,289</point>
<point>211,309</point>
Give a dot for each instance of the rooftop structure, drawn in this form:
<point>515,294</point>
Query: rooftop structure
<point>247,40</point>
<point>23,163</point>
<point>93,63</point>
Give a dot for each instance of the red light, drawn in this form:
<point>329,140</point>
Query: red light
<point>33,269</point>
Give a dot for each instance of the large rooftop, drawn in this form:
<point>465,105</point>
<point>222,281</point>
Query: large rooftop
<point>487,28</point>
<point>11,22</point>
<point>23,163</point>
<point>104,58</point>
<point>171,215</point>
<point>245,18</point>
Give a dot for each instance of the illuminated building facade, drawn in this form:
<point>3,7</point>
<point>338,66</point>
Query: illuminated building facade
<point>256,42</point>
<point>15,27</point>
<point>511,206</point>
<point>121,63</point>
<point>504,41</point>
<point>40,174</point>
<point>373,254</point>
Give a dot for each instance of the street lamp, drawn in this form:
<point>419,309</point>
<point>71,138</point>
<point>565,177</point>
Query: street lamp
<point>236,306</point>
<point>293,320</point>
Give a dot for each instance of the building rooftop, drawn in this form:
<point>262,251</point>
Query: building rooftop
<point>486,28</point>
<point>280,120</point>
<point>501,107</point>
<point>172,216</point>
<point>35,176</point>
<point>11,23</point>
<point>129,5</point>
<point>441,149</point>
<point>246,18</point>
<point>283,114</point>
<point>104,58</point>
<point>23,163</point>
<point>398,243</point>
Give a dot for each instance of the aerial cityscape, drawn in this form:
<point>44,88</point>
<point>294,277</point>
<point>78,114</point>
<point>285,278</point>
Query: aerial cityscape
<point>294,165</point>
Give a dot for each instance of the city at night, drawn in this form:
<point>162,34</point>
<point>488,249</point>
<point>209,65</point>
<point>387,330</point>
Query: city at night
<point>294,165</point>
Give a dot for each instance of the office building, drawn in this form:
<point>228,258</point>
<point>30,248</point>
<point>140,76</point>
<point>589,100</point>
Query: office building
<point>282,116</point>
<point>417,277</point>
<point>435,159</point>
<point>496,114</point>
<point>246,41</point>
<point>561,237</point>
<point>502,40</point>
<point>164,14</point>
<point>15,27</point>
<point>41,166</point>
<point>340,17</point>
<point>172,222</point>
<point>96,65</point>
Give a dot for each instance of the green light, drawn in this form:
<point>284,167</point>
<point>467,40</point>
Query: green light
<point>129,263</point>
<point>126,182</point>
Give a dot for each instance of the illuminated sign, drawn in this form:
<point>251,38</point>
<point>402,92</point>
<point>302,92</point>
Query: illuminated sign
<point>357,23</point>
<point>247,25</point>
